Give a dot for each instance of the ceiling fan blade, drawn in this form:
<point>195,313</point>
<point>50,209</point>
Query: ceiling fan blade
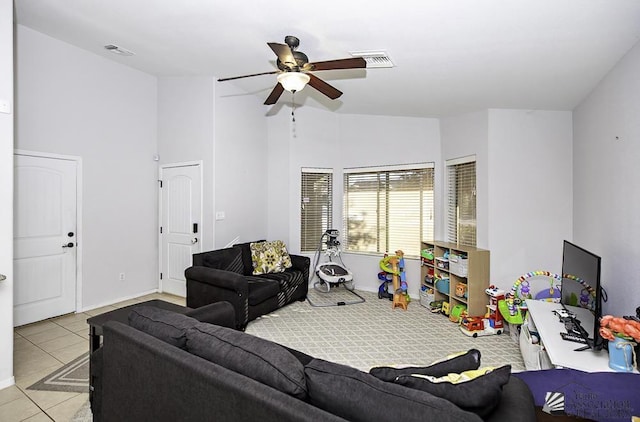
<point>284,53</point>
<point>351,63</point>
<point>324,87</point>
<point>275,94</point>
<point>248,76</point>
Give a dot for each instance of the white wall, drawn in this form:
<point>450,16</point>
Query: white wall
<point>240,155</point>
<point>73,102</point>
<point>529,192</point>
<point>607,181</point>
<point>185,134</point>
<point>6,195</point>
<point>328,140</point>
<point>463,136</point>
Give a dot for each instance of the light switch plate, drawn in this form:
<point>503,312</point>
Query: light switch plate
<point>220,215</point>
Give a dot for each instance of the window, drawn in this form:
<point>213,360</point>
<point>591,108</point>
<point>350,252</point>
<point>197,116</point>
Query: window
<point>316,206</point>
<point>388,208</point>
<point>461,201</point>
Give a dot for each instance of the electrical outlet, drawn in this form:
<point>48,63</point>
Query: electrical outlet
<point>121,277</point>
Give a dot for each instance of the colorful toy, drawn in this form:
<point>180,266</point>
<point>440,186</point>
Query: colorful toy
<point>478,326</point>
<point>394,265</point>
<point>513,306</point>
<point>461,290</point>
<point>383,290</point>
<point>457,312</point>
<point>493,313</point>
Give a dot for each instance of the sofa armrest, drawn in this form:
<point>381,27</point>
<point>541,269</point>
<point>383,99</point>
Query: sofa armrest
<point>516,403</point>
<point>218,278</point>
<point>219,313</point>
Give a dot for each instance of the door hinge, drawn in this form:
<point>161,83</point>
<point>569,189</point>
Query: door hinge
<point>160,229</point>
<point>160,181</point>
<point>160,276</point>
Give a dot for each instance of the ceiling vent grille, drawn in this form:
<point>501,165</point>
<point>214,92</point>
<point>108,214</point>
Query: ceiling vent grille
<point>374,58</point>
<point>118,50</point>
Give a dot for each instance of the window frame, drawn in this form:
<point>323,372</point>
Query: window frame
<point>326,214</point>
<point>453,225</point>
<point>425,207</point>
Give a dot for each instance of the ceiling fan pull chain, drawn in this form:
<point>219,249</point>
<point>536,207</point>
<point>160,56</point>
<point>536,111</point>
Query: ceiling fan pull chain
<point>293,107</point>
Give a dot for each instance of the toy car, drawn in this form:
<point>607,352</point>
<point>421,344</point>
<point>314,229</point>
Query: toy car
<point>478,326</point>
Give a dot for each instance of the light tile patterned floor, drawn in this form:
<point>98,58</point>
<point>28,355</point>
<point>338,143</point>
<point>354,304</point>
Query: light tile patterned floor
<point>39,349</point>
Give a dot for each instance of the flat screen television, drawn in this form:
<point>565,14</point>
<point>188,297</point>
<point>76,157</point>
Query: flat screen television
<point>581,289</point>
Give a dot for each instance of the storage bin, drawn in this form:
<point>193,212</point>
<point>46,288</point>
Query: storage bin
<point>442,285</point>
<point>442,263</point>
<point>426,297</point>
<point>459,265</point>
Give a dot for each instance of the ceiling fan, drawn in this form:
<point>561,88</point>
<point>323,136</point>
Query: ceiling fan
<point>294,68</point>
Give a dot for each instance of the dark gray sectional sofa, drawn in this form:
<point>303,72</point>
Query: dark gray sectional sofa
<point>186,370</point>
<point>226,275</point>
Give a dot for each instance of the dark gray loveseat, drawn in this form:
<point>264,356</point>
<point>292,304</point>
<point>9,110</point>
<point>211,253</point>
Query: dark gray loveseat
<point>227,275</point>
<point>146,378</point>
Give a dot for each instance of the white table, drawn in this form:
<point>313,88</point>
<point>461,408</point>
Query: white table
<point>561,352</point>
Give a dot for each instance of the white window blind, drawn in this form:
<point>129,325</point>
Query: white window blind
<point>461,201</point>
<point>316,206</point>
<point>388,208</point>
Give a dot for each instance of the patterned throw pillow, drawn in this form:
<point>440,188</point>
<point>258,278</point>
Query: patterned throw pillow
<point>269,257</point>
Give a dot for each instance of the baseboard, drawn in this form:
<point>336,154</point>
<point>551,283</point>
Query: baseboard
<point>121,299</point>
<point>7,383</point>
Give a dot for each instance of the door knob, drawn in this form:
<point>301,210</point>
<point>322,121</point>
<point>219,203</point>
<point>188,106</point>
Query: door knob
<point>68,245</point>
<point>194,240</point>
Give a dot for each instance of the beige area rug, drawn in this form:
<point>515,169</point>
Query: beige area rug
<point>372,333</point>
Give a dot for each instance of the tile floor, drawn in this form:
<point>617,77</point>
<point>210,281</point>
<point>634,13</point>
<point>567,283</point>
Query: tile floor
<point>41,348</point>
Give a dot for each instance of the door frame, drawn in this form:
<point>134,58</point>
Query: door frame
<point>79,231</point>
<point>161,168</point>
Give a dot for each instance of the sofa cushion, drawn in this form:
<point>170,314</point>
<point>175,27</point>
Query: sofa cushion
<point>245,253</point>
<point>288,281</point>
<point>357,396</point>
<point>480,394</point>
<point>165,325</point>
<point>229,259</point>
<point>256,358</point>
<point>451,364</point>
<point>269,257</point>
<point>261,289</point>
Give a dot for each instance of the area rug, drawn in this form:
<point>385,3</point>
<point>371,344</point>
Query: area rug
<point>71,378</point>
<point>372,333</point>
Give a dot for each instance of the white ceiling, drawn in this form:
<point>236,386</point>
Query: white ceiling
<point>451,56</point>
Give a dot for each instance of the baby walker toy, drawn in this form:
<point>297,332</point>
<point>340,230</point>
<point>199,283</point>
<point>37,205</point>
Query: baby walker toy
<point>332,274</point>
<point>513,307</point>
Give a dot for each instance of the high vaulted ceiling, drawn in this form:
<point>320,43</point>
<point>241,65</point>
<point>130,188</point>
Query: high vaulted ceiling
<point>451,56</point>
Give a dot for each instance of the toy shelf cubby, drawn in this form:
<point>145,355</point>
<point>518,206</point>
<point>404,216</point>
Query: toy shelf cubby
<point>469,267</point>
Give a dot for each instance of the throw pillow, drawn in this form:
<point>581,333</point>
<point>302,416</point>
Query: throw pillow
<point>270,257</point>
<point>357,396</point>
<point>453,363</point>
<point>478,391</point>
<point>168,326</point>
<point>256,358</point>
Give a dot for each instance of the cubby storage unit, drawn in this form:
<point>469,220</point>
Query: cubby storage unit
<point>462,279</point>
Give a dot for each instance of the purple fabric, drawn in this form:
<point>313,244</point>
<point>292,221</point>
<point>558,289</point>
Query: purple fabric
<point>600,396</point>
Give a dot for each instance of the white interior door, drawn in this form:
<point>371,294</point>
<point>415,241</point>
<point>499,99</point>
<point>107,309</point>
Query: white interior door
<point>44,238</point>
<point>181,214</point>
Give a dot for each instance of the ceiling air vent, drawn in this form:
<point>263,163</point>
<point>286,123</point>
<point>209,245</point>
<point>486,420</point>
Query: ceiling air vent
<point>374,58</point>
<point>118,50</point>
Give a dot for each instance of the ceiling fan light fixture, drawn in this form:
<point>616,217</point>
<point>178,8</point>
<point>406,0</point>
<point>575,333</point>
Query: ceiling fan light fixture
<point>293,81</point>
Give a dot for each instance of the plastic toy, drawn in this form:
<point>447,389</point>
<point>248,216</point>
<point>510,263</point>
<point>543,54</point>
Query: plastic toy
<point>493,313</point>
<point>394,265</point>
<point>383,290</point>
<point>513,305</point>
<point>461,290</point>
<point>457,312</point>
<point>478,326</point>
